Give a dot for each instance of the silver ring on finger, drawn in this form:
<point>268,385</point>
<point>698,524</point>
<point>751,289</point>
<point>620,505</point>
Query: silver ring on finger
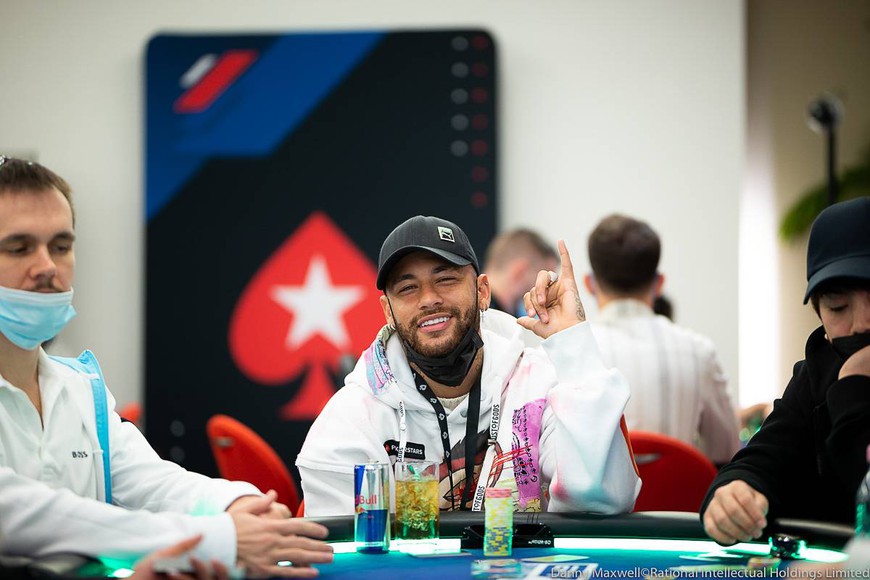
<point>552,278</point>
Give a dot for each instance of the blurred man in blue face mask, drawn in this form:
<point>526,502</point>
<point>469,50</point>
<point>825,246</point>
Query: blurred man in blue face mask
<point>513,259</point>
<point>59,432</point>
<point>808,458</point>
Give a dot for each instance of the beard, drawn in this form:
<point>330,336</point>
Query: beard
<point>409,332</point>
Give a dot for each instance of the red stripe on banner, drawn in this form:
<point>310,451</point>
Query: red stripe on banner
<point>224,73</point>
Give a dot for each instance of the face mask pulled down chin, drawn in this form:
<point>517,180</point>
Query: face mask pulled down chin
<point>450,369</point>
<point>846,346</point>
<point>30,318</point>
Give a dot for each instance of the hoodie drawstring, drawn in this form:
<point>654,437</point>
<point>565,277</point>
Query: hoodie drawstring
<point>403,432</point>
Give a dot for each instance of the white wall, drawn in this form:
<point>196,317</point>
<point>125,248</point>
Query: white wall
<point>797,50</point>
<point>616,105</point>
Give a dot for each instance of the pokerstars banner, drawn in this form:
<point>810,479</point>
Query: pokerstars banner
<point>275,167</point>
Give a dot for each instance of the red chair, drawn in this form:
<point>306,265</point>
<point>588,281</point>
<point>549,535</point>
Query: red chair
<point>675,474</point>
<point>242,455</point>
<point>132,412</point>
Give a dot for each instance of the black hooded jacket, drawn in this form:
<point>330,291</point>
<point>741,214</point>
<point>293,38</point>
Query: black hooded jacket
<point>809,456</point>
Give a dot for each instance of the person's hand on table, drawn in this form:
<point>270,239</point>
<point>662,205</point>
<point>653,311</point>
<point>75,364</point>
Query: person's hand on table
<point>756,413</point>
<point>144,570</point>
<point>261,505</point>
<point>554,299</point>
<point>737,513</point>
<point>263,542</point>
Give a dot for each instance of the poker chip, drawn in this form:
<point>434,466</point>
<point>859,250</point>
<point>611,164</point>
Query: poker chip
<point>497,568</point>
<point>762,563</point>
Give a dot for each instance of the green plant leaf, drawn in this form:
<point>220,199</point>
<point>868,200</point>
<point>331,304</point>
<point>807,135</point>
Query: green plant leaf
<point>855,182</point>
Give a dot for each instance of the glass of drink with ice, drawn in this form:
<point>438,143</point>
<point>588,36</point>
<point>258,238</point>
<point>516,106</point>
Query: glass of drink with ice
<point>416,520</point>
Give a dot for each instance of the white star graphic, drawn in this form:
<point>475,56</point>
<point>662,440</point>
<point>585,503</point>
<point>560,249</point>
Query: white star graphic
<point>317,306</point>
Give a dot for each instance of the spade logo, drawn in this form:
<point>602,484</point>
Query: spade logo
<point>312,301</point>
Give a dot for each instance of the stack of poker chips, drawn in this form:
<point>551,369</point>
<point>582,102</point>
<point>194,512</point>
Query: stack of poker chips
<point>499,522</point>
<point>786,546</point>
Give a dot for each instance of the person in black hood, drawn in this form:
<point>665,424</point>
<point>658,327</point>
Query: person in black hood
<point>809,456</point>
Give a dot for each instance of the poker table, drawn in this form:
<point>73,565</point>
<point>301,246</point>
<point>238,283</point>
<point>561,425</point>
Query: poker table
<point>638,545</point>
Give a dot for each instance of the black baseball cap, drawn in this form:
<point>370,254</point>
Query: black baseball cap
<point>839,244</point>
<point>428,233</point>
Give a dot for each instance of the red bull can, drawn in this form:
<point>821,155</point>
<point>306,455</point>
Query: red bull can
<point>371,525</point>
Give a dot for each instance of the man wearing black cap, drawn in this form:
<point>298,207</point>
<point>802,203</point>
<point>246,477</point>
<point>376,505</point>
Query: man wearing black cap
<point>808,458</point>
<point>447,380</point>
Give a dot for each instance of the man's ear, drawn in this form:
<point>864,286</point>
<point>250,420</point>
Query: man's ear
<point>589,282</point>
<point>658,285</point>
<point>388,312</point>
<point>484,292</point>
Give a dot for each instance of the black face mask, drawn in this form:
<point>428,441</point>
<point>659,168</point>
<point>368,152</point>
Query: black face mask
<point>450,369</point>
<point>846,346</point>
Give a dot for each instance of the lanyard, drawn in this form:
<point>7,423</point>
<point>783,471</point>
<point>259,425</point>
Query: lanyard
<point>470,434</point>
<point>86,363</point>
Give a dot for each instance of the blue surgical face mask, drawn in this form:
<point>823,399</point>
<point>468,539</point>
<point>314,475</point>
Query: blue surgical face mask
<point>30,318</point>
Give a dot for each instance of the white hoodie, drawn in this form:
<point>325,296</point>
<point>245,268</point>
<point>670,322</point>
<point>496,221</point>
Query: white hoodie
<point>561,441</point>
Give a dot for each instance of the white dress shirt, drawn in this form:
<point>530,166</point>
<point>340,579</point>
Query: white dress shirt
<point>55,449</point>
<point>52,487</point>
<point>677,384</point>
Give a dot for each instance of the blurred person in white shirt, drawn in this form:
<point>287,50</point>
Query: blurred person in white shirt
<point>678,387</point>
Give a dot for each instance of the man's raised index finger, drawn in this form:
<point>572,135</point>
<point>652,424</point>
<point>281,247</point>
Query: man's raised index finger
<point>567,266</point>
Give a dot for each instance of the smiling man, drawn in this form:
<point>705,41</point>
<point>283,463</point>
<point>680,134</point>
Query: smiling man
<point>448,380</point>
